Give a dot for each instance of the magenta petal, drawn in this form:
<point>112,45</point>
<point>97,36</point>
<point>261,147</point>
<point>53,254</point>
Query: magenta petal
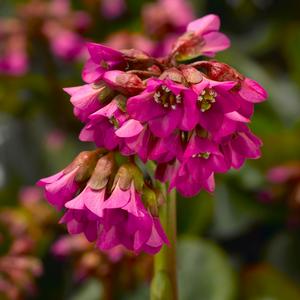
<point>91,231</point>
<point>143,107</point>
<point>129,129</point>
<point>237,160</point>
<point>91,72</point>
<point>50,179</point>
<point>106,111</point>
<point>209,183</point>
<point>165,125</point>
<point>214,42</point>
<point>94,200</point>
<point>186,186</point>
<point>118,198</point>
<point>108,239</point>
<point>235,116</point>
<point>244,145</point>
<point>87,134</point>
<point>77,202</point>
<point>212,119</point>
<point>62,190</point>
<point>205,24</point>
<point>101,53</point>
<point>134,206</point>
<point>83,96</point>
<point>190,111</point>
<point>252,91</point>
<point>218,163</point>
<point>142,232</point>
<point>158,236</point>
<point>198,145</point>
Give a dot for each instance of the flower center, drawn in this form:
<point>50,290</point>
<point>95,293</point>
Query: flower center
<point>204,155</point>
<point>206,99</point>
<point>166,98</point>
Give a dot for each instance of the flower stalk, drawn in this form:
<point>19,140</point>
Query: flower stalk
<point>164,282</point>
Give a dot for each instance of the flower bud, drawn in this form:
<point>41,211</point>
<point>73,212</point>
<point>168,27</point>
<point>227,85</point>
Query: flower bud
<point>150,200</point>
<point>103,170</point>
<point>86,162</point>
<point>192,75</point>
<point>106,93</point>
<point>128,173</point>
<point>172,74</point>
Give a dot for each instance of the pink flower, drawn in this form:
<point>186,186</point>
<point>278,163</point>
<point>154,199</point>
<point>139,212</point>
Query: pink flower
<point>214,103</point>
<point>165,106</point>
<point>81,221</point>
<point>201,159</point>
<point>85,99</point>
<point>102,59</point>
<point>108,126</point>
<point>64,185</point>
<point>127,222</point>
<point>118,219</point>
<point>241,145</point>
<point>60,187</point>
<point>204,36</point>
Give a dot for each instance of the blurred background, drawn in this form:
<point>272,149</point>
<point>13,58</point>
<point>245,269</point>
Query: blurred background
<point>242,242</point>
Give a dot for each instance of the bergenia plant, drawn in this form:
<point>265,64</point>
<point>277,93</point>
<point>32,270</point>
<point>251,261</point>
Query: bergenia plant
<point>159,125</point>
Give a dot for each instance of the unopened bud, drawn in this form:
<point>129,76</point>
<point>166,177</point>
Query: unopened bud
<point>192,75</point>
<point>149,199</point>
<point>129,83</point>
<point>128,173</point>
<point>219,71</point>
<point>103,170</point>
<point>86,162</point>
<point>105,94</point>
<point>172,74</point>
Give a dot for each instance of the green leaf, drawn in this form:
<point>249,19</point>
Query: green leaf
<point>204,272</point>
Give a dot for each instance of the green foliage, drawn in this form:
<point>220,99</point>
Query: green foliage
<point>204,271</point>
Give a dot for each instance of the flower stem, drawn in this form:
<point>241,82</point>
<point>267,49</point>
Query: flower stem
<point>164,282</point>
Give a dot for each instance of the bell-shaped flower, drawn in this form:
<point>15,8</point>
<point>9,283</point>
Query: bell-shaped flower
<point>63,186</point>
<point>87,98</point>
<point>241,145</point>
<point>126,220</point>
<point>102,59</point>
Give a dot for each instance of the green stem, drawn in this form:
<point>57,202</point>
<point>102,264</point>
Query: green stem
<point>164,283</point>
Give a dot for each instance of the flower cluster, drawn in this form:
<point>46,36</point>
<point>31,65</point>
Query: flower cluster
<point>187,114</point>
<point>191,119</point>
<point>110,206</point>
